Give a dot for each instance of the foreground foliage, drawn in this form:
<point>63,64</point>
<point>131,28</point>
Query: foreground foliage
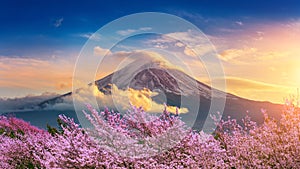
<point>140,140</point>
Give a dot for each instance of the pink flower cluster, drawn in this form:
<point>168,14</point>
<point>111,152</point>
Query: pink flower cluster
<point>141,140</point>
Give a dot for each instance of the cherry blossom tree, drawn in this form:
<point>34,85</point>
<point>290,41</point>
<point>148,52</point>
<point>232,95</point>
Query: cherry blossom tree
<point>141,140</point>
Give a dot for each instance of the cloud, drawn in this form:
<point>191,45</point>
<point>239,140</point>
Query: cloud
<point>179,44</point>
<point>191,43</point>
<point>23,103</point>
<point>126,32</point>
<point>31,103</point>
<point>58,22</point>
<point>120,59</point>
<point>189,52</point>
<point>123,99</point>
<point>65,104</point>
<point>240,23</point>
<point>117,60</point>
<point>194,44</point>
<point>259,36</point>
<point>92,36</point>
<point>31,74</point>
<point>263,51</point>
<point>237,55</point>
<point>256,90</point>
<point>63,85</point>
<point>248,55</point>
<point>251,85</point>
<point>98,51</point>
<point>130,31</point>
<point>145,29</point>
<point>142,98</point>
<point>60,106</point>
<point>189,36</point>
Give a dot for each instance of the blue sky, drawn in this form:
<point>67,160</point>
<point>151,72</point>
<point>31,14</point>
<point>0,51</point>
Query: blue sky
<point>35,28</point>
<point>257,41</point>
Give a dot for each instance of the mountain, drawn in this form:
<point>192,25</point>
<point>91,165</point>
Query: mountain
<point>169,85</point>
<point>172,86</point>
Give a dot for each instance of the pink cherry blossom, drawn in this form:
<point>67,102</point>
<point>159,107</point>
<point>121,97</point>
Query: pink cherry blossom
<point>141,140</point>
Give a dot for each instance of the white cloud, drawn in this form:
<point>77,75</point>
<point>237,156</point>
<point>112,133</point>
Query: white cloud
<point>259,36</point>
<point>189,52</point>
<point>179,44</point>
<point>98,51</point>
<point>237,55</point>
<point>249,55</point>
<point>190,42</point>
<point>160,46</point>
<point>145,29</point>
<point>58,22</point>
<point>65,104</point>
<point>126,32</point>
<point>259,33</point>
<point>130,31</point>
<point>114,61</point>
<point>123,99</point>
<point>240,23</point>
<point>92,36</point>
<point>190,37</point>
<point>23,103</point>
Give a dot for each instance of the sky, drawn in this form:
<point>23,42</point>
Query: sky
<point>256,41</point>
